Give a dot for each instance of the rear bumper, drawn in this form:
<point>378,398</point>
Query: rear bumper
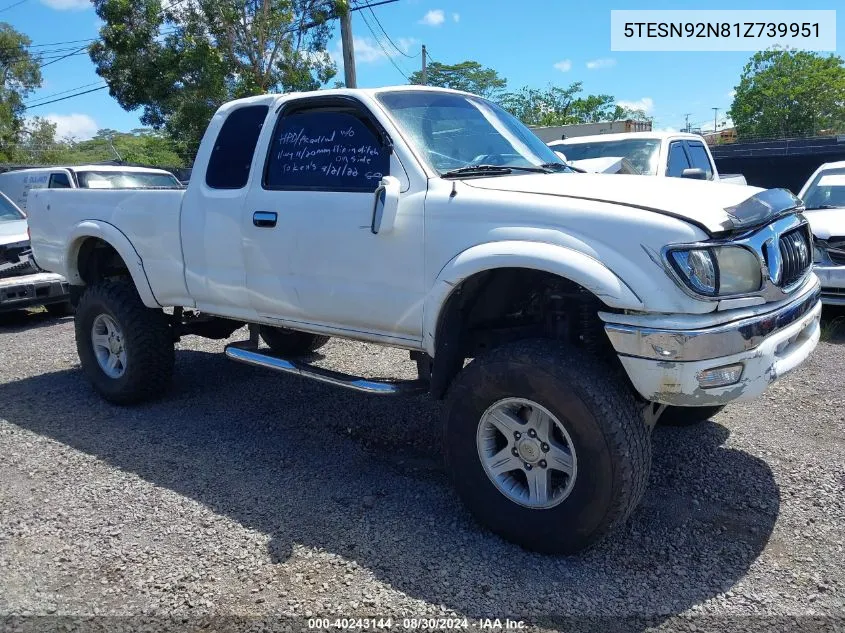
<point>832,279</point>
<point>32,290</point>
<point>665,365</point>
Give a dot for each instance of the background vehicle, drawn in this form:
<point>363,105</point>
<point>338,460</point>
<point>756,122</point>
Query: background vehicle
<point>824,197</point>
<point>433,221</point>
<point>17,184</point>
<point>672,154</point>
<point>22,284</point>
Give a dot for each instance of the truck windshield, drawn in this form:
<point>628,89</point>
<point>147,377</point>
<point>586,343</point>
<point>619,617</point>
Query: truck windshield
<point>454,131</point>
<point>827,191</point>
<point>641,153</point>
<point>9,211</point>
<point>126,180</point>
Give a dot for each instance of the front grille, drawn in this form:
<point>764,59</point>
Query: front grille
<point>836,250</point>
<point>795,255</point>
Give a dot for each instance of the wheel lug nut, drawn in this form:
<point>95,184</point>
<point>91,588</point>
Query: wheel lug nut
<point>532,433</point>
<point>542,463</point>
<point>515,453</point>
<point>527,466</point>
<point>545,447</point>
<point>517,434</point>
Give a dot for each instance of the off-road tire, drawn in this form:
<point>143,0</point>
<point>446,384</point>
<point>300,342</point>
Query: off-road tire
<point>60,309</point>
<point>687,416</point>
<point>610,438</point>
<point>148,341</point>
<point>291,343</point>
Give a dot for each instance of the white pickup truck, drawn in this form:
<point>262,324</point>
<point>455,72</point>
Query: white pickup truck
<point>669,154</point>
<point>432,220</point>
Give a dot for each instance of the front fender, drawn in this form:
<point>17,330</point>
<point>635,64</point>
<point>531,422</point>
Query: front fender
<point>584,270</point>
<point>117,240</point>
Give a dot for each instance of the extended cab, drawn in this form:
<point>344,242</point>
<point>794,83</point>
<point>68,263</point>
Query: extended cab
<point>431,220</point>
<point>672,154</point>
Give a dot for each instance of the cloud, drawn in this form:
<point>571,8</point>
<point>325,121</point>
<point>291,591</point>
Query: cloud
<point>68,5</point>
<point>367,50</point>
<point>456,17</point>
<point>77,126</point>
<point>604,62</point>
<point>564,65</point>
<point>646,104</point>
<point>435,17</point>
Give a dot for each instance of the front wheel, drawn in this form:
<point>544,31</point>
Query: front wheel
<point>125,348</point>
<point>545,447</point>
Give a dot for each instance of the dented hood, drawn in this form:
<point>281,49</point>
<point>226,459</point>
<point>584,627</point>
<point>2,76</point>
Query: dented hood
<point>716,207</point>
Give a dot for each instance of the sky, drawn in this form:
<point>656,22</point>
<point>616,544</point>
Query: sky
<point>530,43</point>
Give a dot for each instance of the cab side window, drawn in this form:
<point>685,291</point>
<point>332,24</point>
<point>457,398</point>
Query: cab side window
<point>59,181</point>
<point>700,159</point>
<point>678,160</point>
<point>326,149</point>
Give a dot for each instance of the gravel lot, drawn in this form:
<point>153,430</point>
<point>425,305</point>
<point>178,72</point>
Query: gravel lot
<point>245,494</point>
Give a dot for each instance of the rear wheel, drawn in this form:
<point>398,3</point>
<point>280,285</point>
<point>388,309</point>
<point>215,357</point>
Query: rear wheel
<point>125,348</point>
<point>687,416</point>
<point>545,447</point>
<point>285,342</point>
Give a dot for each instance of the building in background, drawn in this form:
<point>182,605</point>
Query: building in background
<point>559,132</point>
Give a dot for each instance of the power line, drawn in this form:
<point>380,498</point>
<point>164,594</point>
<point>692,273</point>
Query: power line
<point>64,92</point>
<point>384,50</point>
<point>13,5</point>
<point>392,43</point>
<point>78,94</point>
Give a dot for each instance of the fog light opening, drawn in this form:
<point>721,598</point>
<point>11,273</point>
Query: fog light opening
<point>720,376</point>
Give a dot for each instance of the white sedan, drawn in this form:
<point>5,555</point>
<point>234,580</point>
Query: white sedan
<point>824,197</point>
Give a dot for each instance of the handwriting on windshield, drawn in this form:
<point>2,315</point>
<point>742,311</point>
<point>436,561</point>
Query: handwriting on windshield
<point>338,155</point>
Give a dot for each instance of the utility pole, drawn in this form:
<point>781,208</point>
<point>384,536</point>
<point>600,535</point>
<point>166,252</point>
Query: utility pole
<point>350,77</point>
<point>715,112</point>
<point>686,119</point>
<point>424,67</point>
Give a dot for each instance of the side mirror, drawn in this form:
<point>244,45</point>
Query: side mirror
<point>694,173</point>
<point>385,205</point>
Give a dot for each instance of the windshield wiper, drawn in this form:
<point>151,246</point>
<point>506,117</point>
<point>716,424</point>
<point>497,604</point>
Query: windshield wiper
<point>562,166</point>
<point>491,170</point>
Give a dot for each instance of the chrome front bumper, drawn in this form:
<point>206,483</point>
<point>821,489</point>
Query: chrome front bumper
<point>832,278</point>
<point>666,364</point>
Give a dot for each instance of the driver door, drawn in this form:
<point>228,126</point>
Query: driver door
<point>307,227</point>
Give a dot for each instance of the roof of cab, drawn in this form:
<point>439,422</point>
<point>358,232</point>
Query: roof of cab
<point>660,136</point>
<point>344,92</point>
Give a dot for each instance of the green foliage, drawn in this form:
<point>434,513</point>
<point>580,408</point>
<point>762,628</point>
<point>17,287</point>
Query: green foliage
<point>143,145</point>
<point>468,76</point>
<point>789,93</point>
<point>563,106</point>
<point>21,75</point>
<point>181,62</point>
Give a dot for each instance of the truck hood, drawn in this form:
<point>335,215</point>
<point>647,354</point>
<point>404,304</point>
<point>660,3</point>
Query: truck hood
<point>827,223</point>
<point>713,206</point>
<point>12,231</point>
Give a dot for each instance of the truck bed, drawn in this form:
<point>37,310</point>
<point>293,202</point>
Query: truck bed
<point>150,217</point>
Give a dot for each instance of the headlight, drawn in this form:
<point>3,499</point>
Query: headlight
<point>718,271</point>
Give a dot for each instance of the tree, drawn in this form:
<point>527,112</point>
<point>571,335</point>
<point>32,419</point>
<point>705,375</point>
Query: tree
<point>468,76</point>
<point>789,93</point>
<point>179,61</point>
<point>21,75</point>
<point>564,106</point>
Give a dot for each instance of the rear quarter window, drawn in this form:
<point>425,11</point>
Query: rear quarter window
<point>234,147</point>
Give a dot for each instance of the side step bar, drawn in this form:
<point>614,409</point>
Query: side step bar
<point>239,352</point>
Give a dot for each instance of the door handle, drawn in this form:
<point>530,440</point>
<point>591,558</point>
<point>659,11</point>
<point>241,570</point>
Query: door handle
<point>265,219</point>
